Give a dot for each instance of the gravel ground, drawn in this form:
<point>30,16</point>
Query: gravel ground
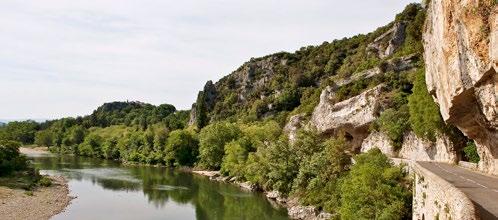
<point>43,204</point>
<point>34,150</point>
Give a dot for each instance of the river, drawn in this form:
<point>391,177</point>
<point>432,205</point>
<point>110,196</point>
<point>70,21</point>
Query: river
<point>108,190</point>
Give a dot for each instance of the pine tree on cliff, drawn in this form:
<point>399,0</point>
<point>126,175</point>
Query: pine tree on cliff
<point>201,111</point>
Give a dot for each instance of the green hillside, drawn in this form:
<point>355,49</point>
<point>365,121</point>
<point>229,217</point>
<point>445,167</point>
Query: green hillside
<point>277,84</point>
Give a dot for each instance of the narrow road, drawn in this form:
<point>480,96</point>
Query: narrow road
<point>481,189</point>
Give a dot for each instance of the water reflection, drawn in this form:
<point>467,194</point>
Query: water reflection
<point>106,189</point>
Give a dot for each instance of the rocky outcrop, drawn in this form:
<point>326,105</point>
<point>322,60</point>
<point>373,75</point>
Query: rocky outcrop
<point>386,44</point>
<point>381,141</point>
<point>206,100</point>
<point>418,149</point>
<point>193,115</point>
<point>250,78</point>
<point>396,65</point>
<point>254,75</point>
<point>361,75</point>
<point>352,116</point>
<point>298,211</point>
<point>414,148</point>
<point>295,123</point>
<point>209,94</point>
<point>460,41</point>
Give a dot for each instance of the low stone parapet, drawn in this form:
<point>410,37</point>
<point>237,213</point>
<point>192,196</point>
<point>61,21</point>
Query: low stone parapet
<point>435,198</point>
<point>468,165</point>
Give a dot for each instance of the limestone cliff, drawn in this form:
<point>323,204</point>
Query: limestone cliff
<point>352,116</point>
<point>460,41</point>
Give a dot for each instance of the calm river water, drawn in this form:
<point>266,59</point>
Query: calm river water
<point>108,190</point>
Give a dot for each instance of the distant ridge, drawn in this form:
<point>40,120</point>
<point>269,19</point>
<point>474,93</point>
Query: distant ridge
<point>5,121</point>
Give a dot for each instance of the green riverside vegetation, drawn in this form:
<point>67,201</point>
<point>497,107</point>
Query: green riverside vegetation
<point>15,170</point>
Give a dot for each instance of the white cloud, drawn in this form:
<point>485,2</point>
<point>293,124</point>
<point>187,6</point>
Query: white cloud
<point>64,58</point>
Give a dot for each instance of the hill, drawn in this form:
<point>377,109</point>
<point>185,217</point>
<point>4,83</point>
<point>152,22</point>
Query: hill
<point>277,84</point>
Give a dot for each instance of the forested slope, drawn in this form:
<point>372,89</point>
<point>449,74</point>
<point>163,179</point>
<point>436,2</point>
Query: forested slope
<point>274,85</point>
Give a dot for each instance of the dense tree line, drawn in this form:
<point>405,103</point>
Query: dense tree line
<point>128,131</point>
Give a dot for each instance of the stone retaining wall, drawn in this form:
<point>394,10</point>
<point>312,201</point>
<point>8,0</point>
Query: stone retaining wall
<point>469,165</point>
<point>435,198</point>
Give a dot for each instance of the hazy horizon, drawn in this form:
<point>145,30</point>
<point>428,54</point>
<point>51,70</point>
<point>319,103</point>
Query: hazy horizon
<point>64,59</point>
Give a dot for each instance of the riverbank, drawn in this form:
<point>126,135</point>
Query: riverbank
<point>33,150</point>
<point>41,203</point>
<point>294,209</point>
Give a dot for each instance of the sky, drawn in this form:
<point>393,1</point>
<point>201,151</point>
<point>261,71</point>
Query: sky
<point>61,58</point>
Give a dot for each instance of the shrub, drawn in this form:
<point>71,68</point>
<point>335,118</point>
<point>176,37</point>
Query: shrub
<point>45,181</point>
<point>212,140</point>
<point>352,89</point>
<point>10,158</point>
<point>182,148</point>
<point>282,165</point>
<point>309,100</point>
<point>110,149</point>
<point>375,189</point>
<point>288,100</point>
<point>318,178</point>
<point>259,108</point>
<point>91,146</point>
<point>394,123</point>
<point>236,153</point>
<point>425,118</point>
<point>44,138</point>
<point>470,152</point>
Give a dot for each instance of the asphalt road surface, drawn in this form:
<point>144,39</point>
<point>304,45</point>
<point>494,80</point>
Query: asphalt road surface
<point>481,189</point>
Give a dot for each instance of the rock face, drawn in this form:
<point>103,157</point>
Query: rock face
<point>209,94</point>
<point>253,75</point>
<point>207,97</point>
<point>193,115</point>
<point>294,124</point>
<point>396,65</point>
<point>387,43</point>
<point>303,212</point>
<point>460,41</point>
<point>381,141</point>
<point>413,148</point>
<point>352,116</point>
<point>417,149</point>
